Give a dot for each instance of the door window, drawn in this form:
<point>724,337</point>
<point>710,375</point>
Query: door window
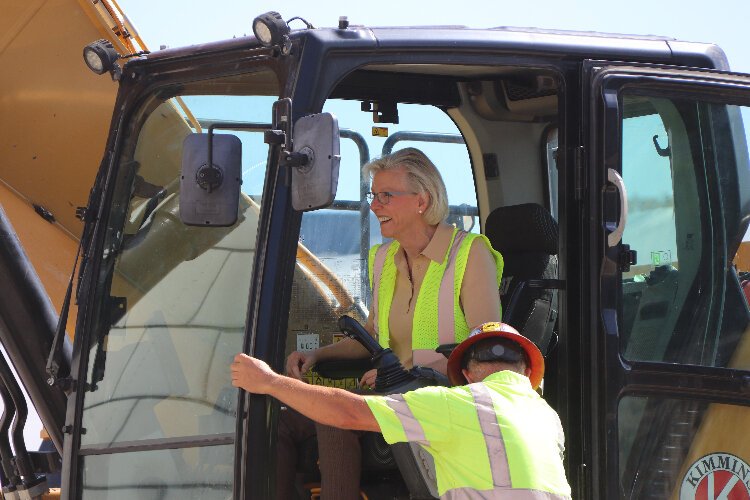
<point>174,309</point>
<point>681,301</point>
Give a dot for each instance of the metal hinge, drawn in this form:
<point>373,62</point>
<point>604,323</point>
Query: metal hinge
<point>67,384</point>
<point>68,429</point>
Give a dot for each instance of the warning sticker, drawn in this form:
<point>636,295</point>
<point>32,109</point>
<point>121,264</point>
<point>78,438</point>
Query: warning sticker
<point>718,475</point>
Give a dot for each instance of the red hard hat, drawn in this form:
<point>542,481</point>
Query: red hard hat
<point>501,330</point>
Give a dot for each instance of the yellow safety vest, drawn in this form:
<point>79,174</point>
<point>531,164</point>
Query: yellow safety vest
<point>438,318</point>
<point>493,439</point>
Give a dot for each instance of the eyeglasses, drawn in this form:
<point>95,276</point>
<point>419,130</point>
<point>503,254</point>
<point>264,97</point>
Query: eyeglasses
<point>384,197</point>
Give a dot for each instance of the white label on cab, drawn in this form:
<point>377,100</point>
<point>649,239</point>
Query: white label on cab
<point>717,475</point>
<point>307,341</point>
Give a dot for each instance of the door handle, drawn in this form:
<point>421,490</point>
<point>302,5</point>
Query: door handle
<point>615,236</point>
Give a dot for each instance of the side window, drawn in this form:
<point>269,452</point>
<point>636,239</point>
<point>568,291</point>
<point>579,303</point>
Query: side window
<point>680,305</point>
<point>649,289</point>
<point>331,274</point>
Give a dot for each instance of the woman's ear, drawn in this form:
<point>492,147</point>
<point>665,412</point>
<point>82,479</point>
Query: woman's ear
<point>423,201</point>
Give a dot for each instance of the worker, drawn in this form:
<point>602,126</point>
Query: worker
<point>493,436</point>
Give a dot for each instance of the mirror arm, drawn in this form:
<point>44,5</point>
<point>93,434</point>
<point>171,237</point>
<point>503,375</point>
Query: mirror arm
<point>296,159</point>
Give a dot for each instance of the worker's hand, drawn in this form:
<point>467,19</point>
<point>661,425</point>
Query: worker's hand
<point>251,374</point>
<point>298,363</point>
<point>368,379</point>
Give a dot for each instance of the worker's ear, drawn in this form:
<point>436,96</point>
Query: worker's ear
<point>527,372</point>
<point>467,375</point>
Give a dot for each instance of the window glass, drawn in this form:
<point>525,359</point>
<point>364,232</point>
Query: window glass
<point>681,300</point>
<point>339,238</point>
<point>682,449</point>
<point>178,296</point>
<point>203,473</point>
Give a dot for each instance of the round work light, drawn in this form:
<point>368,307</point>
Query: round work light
<point>100,56</point>
<point>270,29</point>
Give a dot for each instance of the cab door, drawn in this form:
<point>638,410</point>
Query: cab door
<point>668,191</point>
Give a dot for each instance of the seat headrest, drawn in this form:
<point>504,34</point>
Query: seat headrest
<point>528,227</point>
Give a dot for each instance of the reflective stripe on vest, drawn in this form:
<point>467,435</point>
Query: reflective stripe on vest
<point>412,428</point>
<point>448,320</point>
<point>501,494</point>
<point>376,272</point>
<point>493,438</point>
<point>447,296</point>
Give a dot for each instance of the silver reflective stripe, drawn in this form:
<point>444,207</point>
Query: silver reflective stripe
<point>377,270</point>
<point>498,459</point>
<point>446,297</point>
<point>412,427</point>
<point>560,440</point>
<point>501,494</point>
<point>493,437</point>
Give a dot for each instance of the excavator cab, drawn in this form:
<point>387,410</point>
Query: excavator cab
<point>229,214</point>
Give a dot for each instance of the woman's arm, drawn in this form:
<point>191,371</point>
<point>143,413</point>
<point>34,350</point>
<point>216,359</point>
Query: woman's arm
<point>480,297</point>
<point>298,363</point>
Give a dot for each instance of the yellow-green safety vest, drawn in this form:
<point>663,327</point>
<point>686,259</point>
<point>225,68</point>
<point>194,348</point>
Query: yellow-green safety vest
<point>493,439</point>
<point>438,318</point>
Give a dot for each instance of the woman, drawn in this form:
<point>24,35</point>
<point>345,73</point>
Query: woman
<point>431,285</point>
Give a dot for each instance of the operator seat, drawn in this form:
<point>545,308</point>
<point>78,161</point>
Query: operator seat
<point>526,236</point>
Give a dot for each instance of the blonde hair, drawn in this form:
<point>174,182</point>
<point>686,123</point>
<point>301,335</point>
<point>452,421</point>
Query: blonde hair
<point>422,177</point>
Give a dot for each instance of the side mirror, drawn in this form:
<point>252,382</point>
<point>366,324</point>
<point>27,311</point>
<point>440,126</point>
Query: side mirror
<point>314,183</point>
<point>210,194</point>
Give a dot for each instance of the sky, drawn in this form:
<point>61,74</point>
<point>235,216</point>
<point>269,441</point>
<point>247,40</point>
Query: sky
<point>184,22</point>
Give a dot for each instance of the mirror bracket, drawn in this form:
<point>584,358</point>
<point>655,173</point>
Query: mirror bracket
<point>298,159</point>
<point>273,137</point>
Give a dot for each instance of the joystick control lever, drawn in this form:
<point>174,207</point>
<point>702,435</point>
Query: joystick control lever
<point>391,373</point>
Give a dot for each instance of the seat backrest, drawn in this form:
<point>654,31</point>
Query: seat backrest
<point>526,236</point>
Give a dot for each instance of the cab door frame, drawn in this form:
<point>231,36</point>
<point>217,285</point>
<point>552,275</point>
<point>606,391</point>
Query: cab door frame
<point>322,64</point>
<point>609,376</point>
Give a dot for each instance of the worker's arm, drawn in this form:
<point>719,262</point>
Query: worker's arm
<point>327,405</point>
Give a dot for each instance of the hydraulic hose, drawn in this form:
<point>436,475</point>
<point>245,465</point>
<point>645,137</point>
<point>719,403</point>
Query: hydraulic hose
<point>7,474</point>
<point>23,461</point>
